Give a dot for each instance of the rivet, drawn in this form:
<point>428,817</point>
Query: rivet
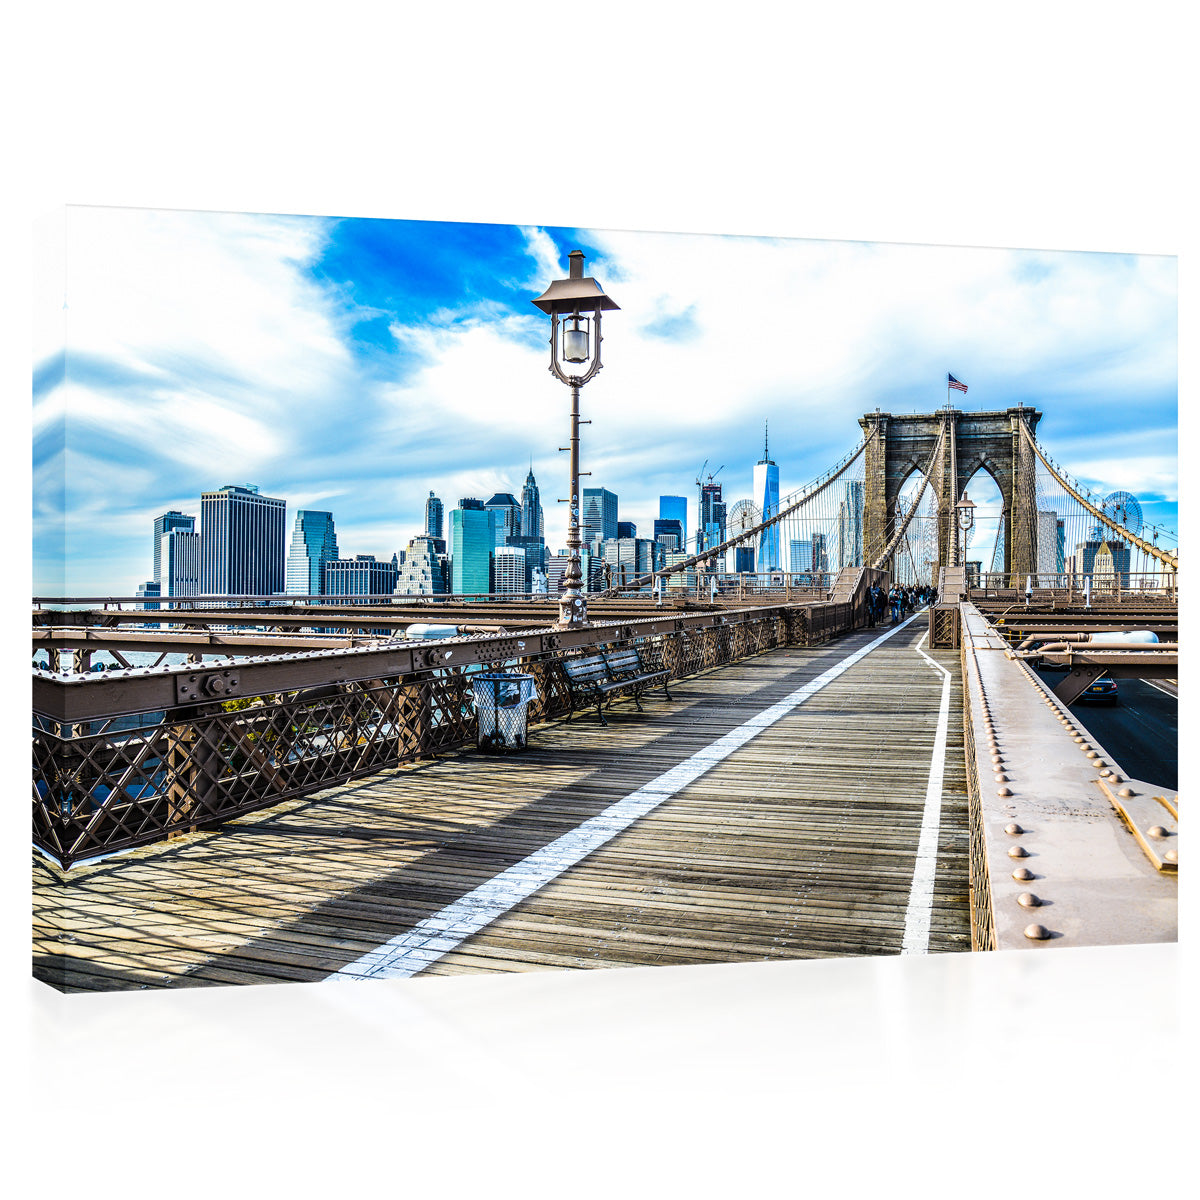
<point>1028,900</point>
<point>1157,831</point>
<point>1093,754</point>
<point>1003,791</point>
<point>1037,933</point>
<point>1117,778</point>
<point>1171,856</point>
<point>1013,828</point>
<point>1017,852</point>
<point>1001,777</point>
<point>1023,874</point>
<point>1079,737</point>
<point>1105,772</point>
<point>1127,791</point>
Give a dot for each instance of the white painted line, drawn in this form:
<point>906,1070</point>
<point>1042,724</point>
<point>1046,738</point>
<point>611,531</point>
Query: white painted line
<point>918,916</point>
<point>1166,689</point>
<point>426,942</point>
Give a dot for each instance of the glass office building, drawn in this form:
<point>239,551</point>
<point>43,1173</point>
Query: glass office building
<point>673,508</point>
<point>472,543</point>
<point>668,532</point>
<point>766,497</point>
<point>599,515</point>
<point>363,575</point>
<point>314,543</point>
<point>509,570</point>
<point>164,524</point>
<point>241,543</point>
<point>433,517</point>
<point>179,563</point>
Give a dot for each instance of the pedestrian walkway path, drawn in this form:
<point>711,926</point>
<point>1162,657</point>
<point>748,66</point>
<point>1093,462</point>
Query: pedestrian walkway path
<point>802,803</point>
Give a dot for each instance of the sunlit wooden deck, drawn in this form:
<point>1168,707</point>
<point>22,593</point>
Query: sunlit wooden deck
<point>800,844</point>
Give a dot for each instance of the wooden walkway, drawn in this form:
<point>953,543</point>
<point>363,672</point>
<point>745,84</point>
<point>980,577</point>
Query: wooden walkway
<point>800,844</point>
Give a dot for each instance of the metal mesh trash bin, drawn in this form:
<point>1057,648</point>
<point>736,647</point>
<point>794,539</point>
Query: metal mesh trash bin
<point>501,703</point>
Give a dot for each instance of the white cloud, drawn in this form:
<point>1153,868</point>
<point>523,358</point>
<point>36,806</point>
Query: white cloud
<point>237,367</point>
<point>806,334</point>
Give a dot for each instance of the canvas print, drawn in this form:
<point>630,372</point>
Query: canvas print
<point>419,598</point>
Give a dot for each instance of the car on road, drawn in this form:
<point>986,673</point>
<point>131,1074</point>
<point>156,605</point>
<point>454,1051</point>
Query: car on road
<point>1103,689</point>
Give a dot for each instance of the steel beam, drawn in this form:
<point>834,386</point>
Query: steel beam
<point>1057,866</point>
<point>96,695</point>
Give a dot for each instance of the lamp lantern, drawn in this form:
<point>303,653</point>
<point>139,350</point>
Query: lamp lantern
<point>579,300</point>
<point>575,339</point>
<point>966,513</point>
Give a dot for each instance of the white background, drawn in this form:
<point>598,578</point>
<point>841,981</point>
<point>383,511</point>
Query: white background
<point>1057,126</point>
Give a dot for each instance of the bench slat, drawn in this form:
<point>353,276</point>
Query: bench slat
<point>608,673</point>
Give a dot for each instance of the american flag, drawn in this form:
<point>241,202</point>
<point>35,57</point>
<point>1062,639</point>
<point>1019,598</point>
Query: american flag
<point>954,383</point>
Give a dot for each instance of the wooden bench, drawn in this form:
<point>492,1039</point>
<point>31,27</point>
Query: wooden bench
<point>599,677</point>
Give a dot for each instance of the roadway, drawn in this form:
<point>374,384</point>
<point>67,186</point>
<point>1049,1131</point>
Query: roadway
<point>1141,730</point>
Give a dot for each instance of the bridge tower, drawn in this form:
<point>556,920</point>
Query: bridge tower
<point>992,440</point>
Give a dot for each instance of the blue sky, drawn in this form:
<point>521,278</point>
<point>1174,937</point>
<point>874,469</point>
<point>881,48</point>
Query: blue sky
<point>356,364</point>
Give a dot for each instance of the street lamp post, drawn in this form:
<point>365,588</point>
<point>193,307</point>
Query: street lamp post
<point>966,521</point>
<point>579,300</point>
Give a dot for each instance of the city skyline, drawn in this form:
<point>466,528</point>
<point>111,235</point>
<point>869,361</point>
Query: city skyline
<point>354,365</point>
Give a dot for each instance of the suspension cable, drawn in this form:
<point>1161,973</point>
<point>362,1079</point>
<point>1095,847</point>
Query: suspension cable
<point>817,487</point>
<point>1171,560</point>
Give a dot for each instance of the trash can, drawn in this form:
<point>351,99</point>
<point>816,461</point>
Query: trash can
<point>501,703</point>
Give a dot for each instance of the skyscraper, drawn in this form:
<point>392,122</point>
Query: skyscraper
<point>509,570</point>
<point>766,496</point>
<point>508,516</point>
<point>630,557</point>
<point>423,571</point>
<point>712,516</point>
<point>146,590</point>
<point>820,554</point>
<point>164,524</point>
<point>314,543</point>
<point>599,515</point>
<point>362,575</point>
<point>433,517</point>
<point>179,563</point>
<point>626,529</point>
<point>668,532</point>
<point>1103,561</point>
<point>1051,543</point>
<point>472,543</point>
<point>241,543</point>
<point>673,508</point>
<point>533,523</point>
<point>850,526</point>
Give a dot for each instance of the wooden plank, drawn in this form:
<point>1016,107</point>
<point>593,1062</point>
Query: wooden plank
<point>799,845</point>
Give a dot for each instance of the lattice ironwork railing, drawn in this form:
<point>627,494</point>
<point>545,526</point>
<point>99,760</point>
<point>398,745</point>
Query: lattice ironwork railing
<point>943,627</point>
<point>100,786</point>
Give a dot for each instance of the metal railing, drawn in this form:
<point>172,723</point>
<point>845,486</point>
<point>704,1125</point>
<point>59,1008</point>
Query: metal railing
<point>126,758</point>
<point>1077,588</point>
